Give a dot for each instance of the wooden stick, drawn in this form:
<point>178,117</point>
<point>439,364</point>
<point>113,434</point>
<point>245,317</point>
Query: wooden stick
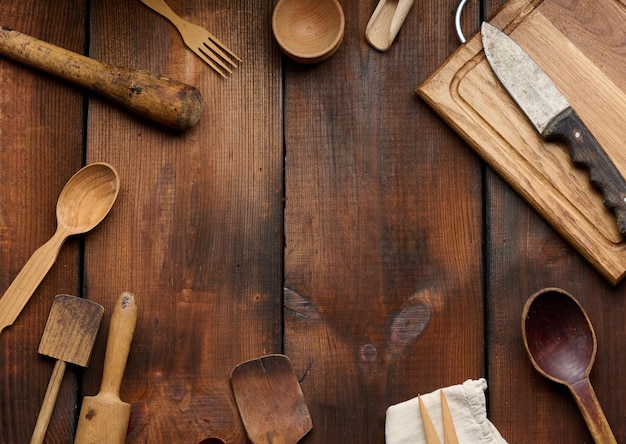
<point>49,400</point>
<point>449,432</point>
<point>429,428</point>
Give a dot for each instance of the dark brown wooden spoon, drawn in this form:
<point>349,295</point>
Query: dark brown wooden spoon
<point>561,344</point>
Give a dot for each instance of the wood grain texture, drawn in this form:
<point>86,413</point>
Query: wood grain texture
<point>325,212</point>
<point>383,232</point>
<point>41,135</point>
<point>197,235</point>
<point>525,255</point>
<point>466,92</point>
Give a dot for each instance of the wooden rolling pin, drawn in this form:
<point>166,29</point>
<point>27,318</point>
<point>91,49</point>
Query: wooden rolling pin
<point>157,98</point>
<point>104,418</point>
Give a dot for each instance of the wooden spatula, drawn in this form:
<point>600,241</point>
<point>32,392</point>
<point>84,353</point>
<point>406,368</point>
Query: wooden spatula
<point>69,336</point>
<point>104,417</point>
<point>270,400</point>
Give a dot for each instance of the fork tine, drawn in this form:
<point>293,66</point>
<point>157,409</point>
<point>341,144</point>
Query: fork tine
<point>210,53</point>
<point>214,46</point>
<point>224,47</point>
<point>429,428</point>
<point>210,61</point>
<point>449,432</point>
<point>198,39</point>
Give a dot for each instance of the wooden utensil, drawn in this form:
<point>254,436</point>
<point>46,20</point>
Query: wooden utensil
<point>308,32</point>
<point>69,336</point>
<point>429,427</point>
<point>157,98</point>
<point>561,344</point>
<point>270,400</point>
<point>213,52</point>
<point>84,201</point>
<point>104,417</point>
<point>449,430</point>
<point>385,23</point>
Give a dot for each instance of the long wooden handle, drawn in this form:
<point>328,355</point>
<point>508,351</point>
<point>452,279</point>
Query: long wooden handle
<point>592,412</point>
<point>157,98</point>
<point>29,278</point>
<point>121,332</point>
<point>163,8</point>
<point>49,400</point>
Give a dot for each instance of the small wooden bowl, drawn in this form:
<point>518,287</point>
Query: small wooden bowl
<point>308,31</point>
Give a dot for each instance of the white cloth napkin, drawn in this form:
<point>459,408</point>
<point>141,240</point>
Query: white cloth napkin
<point>469,413</point>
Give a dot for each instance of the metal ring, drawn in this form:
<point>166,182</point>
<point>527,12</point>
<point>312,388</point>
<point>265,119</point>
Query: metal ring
<point>457,20</point>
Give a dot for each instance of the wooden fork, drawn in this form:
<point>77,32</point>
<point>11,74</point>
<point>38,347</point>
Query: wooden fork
<point>213,52</point>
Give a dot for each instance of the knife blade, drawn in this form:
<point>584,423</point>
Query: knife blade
<point>553,116</point>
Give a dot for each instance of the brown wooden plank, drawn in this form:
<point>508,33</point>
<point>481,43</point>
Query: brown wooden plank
<point>525,255</point>
<point>41,135</point>
<point>197,232</point>
<point>383,229</point>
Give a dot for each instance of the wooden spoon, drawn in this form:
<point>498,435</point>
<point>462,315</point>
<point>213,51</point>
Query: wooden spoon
<point>386,22</point>
<point>84,201</point>
<point>561,344</point>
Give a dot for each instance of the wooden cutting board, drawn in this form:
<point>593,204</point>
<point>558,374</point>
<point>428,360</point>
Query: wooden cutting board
<point>581,44</point>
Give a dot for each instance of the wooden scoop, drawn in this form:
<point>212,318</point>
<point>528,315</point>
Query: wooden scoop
<point>104,417</point>
<point>270,400</point>
<point>386,22</point>
<point>68,337</point>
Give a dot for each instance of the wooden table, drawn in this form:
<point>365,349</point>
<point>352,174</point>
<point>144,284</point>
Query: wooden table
<point>309,212</point>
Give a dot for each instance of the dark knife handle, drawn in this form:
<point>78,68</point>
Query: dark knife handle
<point>585,151</point>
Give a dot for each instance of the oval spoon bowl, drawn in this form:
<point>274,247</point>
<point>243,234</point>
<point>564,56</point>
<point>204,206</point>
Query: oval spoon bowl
<point>559,337</point>
<point>96,187</point>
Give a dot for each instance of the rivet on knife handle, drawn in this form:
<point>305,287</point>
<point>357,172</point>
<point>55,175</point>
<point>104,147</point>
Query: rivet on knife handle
<point>586,151</point>
<point>157,98</point>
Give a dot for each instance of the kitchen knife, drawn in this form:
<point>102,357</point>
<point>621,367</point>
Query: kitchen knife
<point>553,117</point>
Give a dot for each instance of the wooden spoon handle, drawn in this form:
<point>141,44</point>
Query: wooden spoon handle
<point>49,400</point>
<point>29,278</point>
<point>162,100</point>
<point>592,412</point>
<point>121,332</point>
